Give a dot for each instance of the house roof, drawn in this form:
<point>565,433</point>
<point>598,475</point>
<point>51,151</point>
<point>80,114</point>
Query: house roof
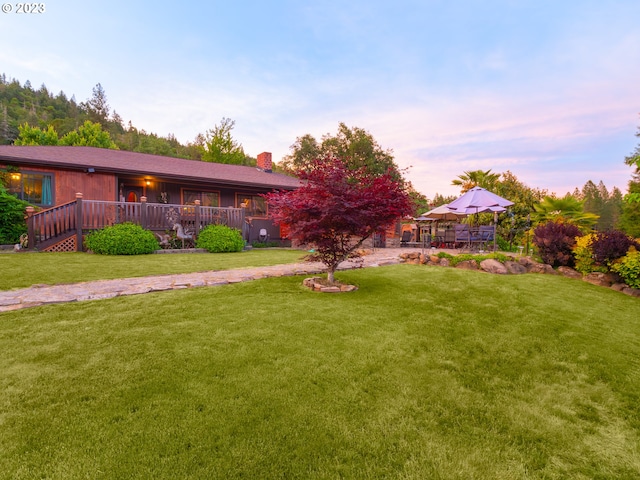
<point>134,163</point>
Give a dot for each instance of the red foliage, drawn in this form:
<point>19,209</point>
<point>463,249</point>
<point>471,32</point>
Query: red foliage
<point>611,245</point>
<point>555,242</point>
<point>336,209</point>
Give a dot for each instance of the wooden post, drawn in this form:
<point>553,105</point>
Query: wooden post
<point>246,225</point>
<point>79,222</point>
<point>31,230</point>
<point>197,219</point>
<point>143,212</point>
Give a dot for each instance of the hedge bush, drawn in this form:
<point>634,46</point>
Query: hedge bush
<point>628,267</point>
<point>609,246</point>
<point>219,239</point>
<point>583,254</point>
<point>12,222</point>
<point>555,242</point>
<point>122,239</point>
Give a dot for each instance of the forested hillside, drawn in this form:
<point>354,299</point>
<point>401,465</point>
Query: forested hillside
<point>22,105</point>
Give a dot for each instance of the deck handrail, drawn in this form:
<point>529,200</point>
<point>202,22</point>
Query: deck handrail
<point>81,215</point>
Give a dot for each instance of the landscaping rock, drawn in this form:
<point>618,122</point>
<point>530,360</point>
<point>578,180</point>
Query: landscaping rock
<point>599,278</point>
<point>526,262</point>
<point>491,265</point>
<point>434,259</point>
<point>569,272</point>
<point>348,288</point>
<point>634,292</point>
<point>515,268</point>
<point>467,265</point>
<point>536,267</point>
<point>444,262</point>
<point>618,287</point>
<point>330,290</point>
<point>318,284</point>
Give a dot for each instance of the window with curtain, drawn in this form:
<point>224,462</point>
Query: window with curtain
<point>35,188</point>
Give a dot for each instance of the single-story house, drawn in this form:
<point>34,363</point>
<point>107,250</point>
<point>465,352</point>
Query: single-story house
<point>47,176</point>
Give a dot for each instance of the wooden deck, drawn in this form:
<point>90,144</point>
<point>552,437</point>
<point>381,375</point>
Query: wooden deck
<point>62,227</point>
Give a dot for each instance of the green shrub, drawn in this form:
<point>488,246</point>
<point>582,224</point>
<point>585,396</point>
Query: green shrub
<point>220,238</point>
<point>583,253</point>
<point>265,244</point>
<point>12,222</point>
<point>122,239</point>
<point>455,260</point>
<point>628,267</point>
<point>504,245</point>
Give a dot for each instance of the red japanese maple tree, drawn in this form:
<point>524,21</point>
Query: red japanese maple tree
<point>336,209</point>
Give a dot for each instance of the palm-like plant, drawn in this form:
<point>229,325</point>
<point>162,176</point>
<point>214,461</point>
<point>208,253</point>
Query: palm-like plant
<point>566,209</point>
<point>476,178</point>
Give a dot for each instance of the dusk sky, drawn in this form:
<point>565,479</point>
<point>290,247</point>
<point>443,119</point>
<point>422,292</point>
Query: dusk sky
<point>546,89</point>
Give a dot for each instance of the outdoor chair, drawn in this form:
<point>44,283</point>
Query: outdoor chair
<point>462,235</point>
<point>486,234</point>
<point>406,238</point>
<point>449,238</point>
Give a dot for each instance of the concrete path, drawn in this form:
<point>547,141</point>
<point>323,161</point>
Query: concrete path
<point>46,294</point>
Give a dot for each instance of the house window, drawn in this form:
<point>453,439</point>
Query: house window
<point>256,206</point>
<point>207,199</point>
<point>35,188</point>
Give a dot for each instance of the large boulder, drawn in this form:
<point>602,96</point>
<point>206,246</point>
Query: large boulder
<point>569,272</point>
<point>634,292</point>
<point>515,268</point>
<point>493,266</point>
<point>527,262</point>
<point>599,278</point>
<point>536,267</point>
<point>468,265</point>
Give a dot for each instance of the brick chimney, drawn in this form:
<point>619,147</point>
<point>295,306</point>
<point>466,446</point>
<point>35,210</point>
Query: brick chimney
<point>264,162</point>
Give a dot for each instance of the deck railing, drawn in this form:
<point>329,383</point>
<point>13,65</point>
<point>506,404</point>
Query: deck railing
<point>80,215</point>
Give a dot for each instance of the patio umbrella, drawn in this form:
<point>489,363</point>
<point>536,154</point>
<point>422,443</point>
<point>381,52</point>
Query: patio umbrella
<point>438,214</point>
<point>480,200</point>
<point>441,213</point>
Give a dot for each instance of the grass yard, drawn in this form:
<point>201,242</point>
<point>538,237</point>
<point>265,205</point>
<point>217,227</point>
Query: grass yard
<point>423,373</point>
<point>26,269</point>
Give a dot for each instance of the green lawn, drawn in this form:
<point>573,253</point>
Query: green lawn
<point>423,373</point>
<point>26,269</point>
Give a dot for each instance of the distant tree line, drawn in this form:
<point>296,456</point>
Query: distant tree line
<point>31,116</point>
<point>38,114</point>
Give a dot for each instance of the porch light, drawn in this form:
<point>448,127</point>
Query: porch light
<point>15,176</point>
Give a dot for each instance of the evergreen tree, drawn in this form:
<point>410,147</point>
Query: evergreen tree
<point>97,106</point>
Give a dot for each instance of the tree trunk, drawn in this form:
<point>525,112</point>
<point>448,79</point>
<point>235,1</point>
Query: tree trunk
<point>330,276</point>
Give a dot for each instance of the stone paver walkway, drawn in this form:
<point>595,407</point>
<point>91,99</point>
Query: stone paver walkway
<point>46,294</point>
